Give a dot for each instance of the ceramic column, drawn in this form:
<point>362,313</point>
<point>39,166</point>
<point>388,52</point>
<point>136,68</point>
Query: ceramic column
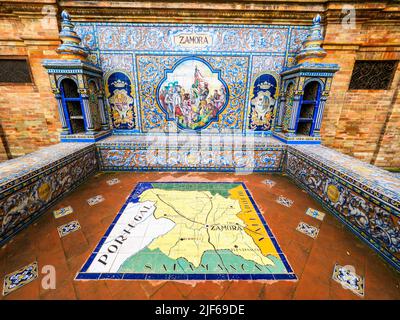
<point>64,125</point>
<point>293,118</point>
<point>88,114</point>
<point>281,112</point>
<point>103,118</point>
<point>318,119</point>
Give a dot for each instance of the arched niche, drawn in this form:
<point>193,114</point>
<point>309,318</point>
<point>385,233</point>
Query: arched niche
<point>308,109</point>
<point>72,104</point>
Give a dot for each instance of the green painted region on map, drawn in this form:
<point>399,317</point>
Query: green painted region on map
<point>212,187</point>
<point>154,261</point>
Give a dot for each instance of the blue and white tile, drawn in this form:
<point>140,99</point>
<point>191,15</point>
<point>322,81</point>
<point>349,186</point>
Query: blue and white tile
<point>113,181</point>
<point>284,201</point>
<point>68,228</point>
<point>95,200</point>
<point>19,278</point>
<point>63,212</point>
<point>307,229</point>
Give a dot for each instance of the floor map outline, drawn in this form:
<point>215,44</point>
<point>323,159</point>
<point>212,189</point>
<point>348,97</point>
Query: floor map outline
<point>188,231</point>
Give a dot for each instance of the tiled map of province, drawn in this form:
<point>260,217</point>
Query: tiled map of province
<point>188,231</point>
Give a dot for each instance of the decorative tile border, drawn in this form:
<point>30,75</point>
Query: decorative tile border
<point>62,212</point>
<point>68,228</point>
<point>349,279</point>
<point>307,229</point>
<point>19,278</point>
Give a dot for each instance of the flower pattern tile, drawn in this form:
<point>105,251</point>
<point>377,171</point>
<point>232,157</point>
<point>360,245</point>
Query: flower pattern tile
<point>19,278</point>
<point>68,228</point>
<point>307,229</point>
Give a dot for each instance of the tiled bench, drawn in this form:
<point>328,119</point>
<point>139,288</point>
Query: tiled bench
<point>191,153</point>
<point>32,183</point>
<point>362,196</point>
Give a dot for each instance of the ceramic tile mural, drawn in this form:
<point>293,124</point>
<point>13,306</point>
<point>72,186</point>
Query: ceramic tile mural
<point>140,55</point>
<point>188,231</point>
<point>370,212</point>
<point>192,94</point>
<point>62,212</point>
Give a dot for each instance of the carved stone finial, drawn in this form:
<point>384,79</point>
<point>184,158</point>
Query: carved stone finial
<point>312,50</point>
<point>70,47</point>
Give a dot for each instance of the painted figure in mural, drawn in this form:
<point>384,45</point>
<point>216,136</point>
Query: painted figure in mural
<point>194,102</point>
<point>262,102</point>
<point>121,102</point>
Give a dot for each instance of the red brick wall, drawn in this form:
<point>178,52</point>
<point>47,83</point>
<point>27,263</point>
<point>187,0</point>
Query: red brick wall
<point>28,114</point>
<point>363,123</point>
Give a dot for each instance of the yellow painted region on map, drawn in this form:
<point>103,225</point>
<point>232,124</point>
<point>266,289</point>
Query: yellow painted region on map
<point>254,226</point>
<point>203,222</point>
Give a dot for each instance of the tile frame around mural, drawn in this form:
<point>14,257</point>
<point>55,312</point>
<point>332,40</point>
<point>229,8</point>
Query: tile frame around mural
<point>139,188</point>
<point>264,54</point>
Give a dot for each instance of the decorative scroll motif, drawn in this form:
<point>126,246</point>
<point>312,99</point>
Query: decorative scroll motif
<point>263,94</point>
<point>307,229</point>
<point>119,94</point>
<point>192,94</point>
<point>373,75</point>
<point>288,107</point>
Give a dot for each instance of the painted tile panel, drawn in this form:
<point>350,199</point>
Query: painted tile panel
<point>188,231</point>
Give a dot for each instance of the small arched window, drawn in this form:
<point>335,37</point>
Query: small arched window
<point>72,104</point>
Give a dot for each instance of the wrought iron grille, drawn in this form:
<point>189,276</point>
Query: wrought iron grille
<point>14,71</point>
<point>373,74</point>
